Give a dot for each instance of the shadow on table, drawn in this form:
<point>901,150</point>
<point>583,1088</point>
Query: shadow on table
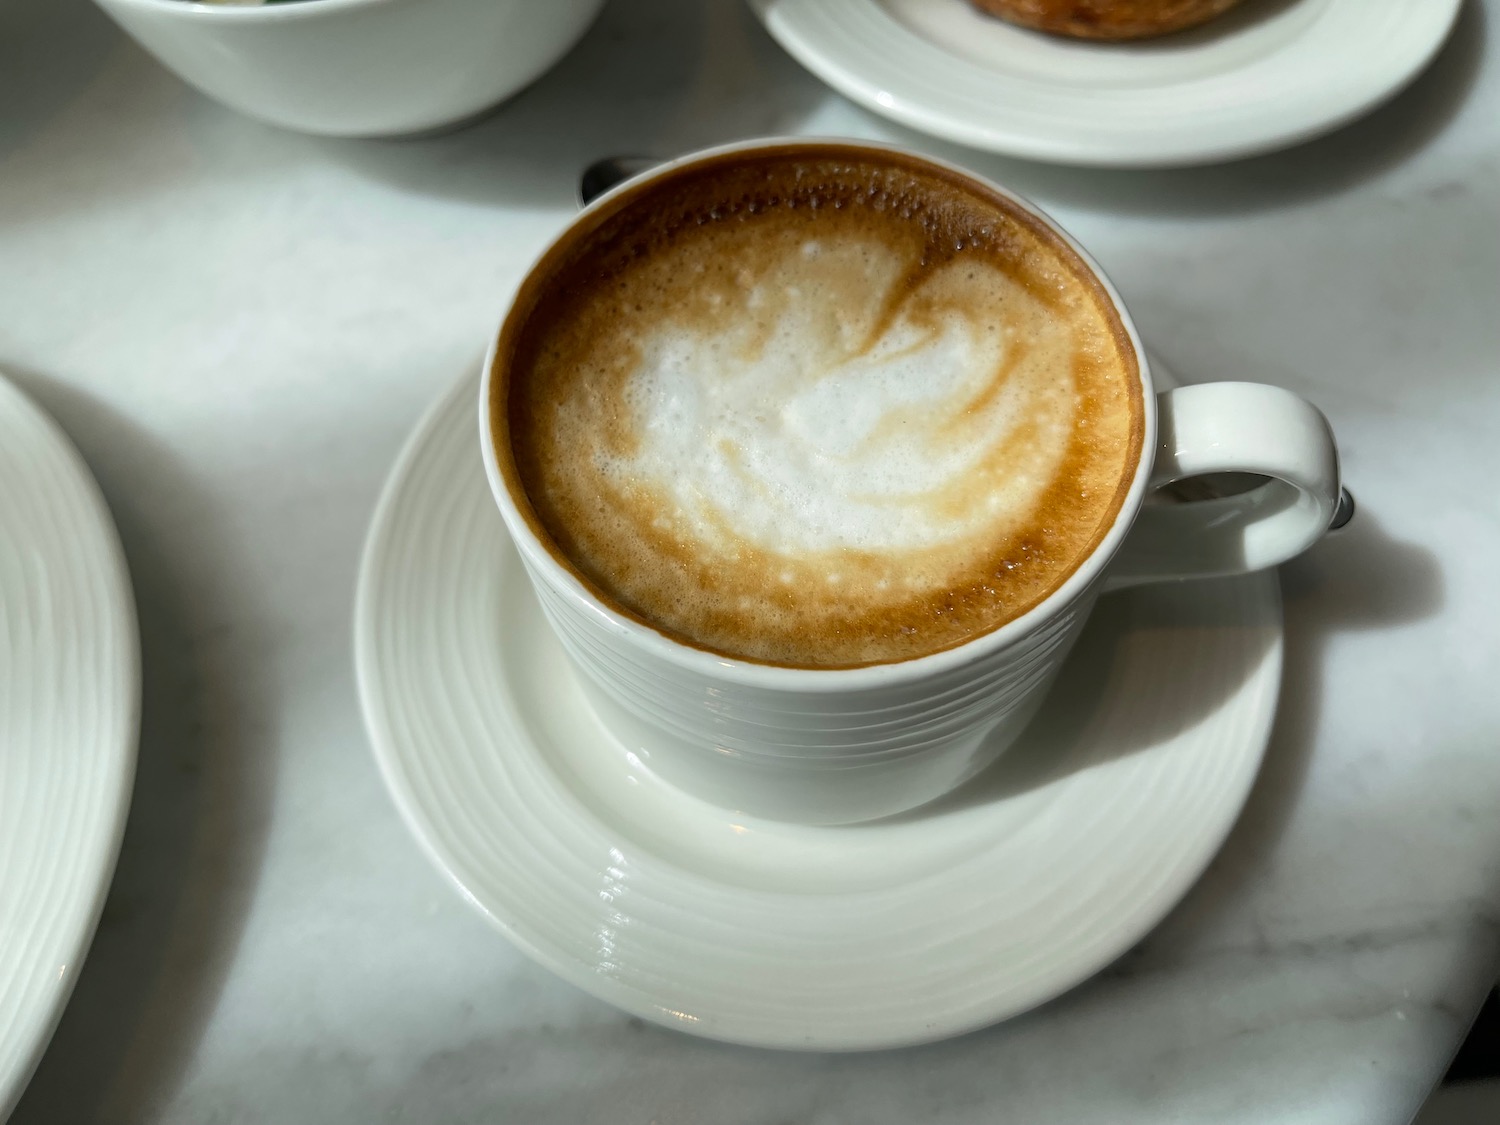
<point>1372,144</point>
<point>49,51</point>
<point>1357,580</point>
<point>653,77</point>
<point>193,840</point>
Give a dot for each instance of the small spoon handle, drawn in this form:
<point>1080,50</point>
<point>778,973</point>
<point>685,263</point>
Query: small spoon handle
<point>604,174</point>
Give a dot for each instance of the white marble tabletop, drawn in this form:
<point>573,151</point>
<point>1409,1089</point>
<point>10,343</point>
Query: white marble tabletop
<point>238,326</point>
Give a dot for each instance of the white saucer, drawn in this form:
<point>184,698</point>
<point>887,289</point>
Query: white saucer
<point>70,692</point>
<point>1266,75</point>
<point>1005,894</point>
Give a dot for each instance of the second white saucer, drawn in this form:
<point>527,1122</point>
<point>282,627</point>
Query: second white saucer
<point>999,897</point>
<point>70,704</point>
<point>1267,75</point>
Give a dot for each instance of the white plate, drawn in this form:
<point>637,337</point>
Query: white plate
<point>1009,892</point>
<point>70,691</point>
<point>1266,75</point>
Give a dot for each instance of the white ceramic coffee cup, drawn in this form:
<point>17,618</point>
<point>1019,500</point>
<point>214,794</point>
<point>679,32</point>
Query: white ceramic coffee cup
<point>833,746</point>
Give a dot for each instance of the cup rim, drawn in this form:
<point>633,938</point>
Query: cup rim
<point>813,680</point>
<point>247,13</point>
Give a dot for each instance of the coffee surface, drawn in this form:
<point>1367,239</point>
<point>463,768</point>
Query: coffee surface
<point>818,408</point>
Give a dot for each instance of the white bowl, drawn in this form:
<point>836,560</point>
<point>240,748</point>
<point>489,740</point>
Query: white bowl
<point>358,68</point>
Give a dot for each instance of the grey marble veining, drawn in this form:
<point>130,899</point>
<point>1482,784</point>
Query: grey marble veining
<point>238,326</point>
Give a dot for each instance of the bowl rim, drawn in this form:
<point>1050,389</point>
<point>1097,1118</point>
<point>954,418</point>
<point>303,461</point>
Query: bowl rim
<point>247,13</point>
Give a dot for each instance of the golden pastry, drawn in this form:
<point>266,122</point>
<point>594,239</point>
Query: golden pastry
<point>1106,19</point>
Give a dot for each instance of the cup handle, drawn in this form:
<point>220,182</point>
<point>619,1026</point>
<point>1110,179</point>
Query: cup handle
<point>1232,428</point>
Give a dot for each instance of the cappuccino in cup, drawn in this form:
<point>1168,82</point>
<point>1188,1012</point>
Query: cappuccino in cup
<point>817,406</point>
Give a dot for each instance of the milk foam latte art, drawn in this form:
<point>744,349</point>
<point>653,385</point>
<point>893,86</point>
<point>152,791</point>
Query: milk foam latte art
<point>817,408</point>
